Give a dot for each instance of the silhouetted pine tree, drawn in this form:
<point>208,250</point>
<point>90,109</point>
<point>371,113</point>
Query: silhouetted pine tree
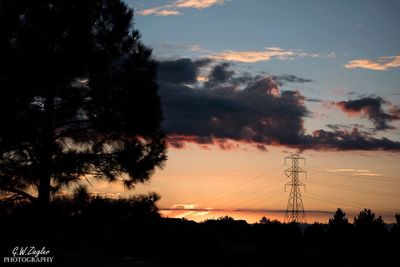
<point>78,97</point>
<point>366,220</point>
<point>338,226</point>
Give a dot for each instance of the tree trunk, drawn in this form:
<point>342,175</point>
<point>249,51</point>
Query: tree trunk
<point>45,169</point>
<point>44,190</point>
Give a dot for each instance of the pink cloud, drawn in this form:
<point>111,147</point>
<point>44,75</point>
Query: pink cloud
<point>253,56</point>
<point>382,63</point>
<point>198,4</point>
<point>173,8</point>
<point>158,11</point>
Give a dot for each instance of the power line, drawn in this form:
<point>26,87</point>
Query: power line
<point>259,187</point>
<point>347,202</point>
<point>295,210</point>
<point>217,195</point>
<point>252,192</point>
<point>271,195</point>
<point>353,189</point>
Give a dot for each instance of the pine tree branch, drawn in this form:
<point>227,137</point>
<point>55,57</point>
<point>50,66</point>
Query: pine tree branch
<point>19,192</point>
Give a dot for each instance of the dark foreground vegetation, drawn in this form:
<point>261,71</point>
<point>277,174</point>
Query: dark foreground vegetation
<point>94,231</point>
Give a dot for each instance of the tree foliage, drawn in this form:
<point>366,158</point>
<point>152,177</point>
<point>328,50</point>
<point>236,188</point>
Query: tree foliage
<point>368,225</point>
<point>78,97</point>
<point>367,218</point>
<point>339,218</point>
<point>338,223</point>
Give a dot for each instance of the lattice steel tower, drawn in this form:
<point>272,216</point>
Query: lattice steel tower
<point>295,209</point>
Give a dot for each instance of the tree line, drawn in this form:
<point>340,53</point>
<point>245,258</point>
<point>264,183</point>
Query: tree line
<point>87,230</point>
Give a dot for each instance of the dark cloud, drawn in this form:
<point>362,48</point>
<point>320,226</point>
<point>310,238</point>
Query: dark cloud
<point>236,108</point>
<point>346,140</point>
<point>259,113</point>
<point>315,100</point>
<point>182,70</point>
<point>245,78</point>
<point>337,127</point>
<point>220,74</point>
<point>372,107</point>
<point>285,78</point>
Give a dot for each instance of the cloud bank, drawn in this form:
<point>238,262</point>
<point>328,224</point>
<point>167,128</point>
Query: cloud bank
<point>229,108</point>
<point>218,111</point>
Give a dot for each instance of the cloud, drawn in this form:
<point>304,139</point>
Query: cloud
<point>282,79</point>
<point>174,8</point>
<point>382,63</point>
<point>347,170</point>
<point>357,172</point>
<point>372,107</point>
<point>229,108</point>
<point>159,11</point>
<point>198,4</point>
<point>180,71</point>
<point>184,206</point>
<point>219,74</point>
<point>254,56</point>
<point>370,174</point>
<point>195,48</point>
<point>347,127</point>
<point>185,210</point>
<point>395,111</point>
<point>346,140</point>
<point>168,12</point>
<point>259,113</point>
<point>315,100</point>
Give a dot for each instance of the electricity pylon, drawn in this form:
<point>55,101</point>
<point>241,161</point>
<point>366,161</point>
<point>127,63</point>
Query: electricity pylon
<point>295,209</point>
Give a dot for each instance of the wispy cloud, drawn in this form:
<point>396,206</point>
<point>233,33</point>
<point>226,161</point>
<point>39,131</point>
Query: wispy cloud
<point>195,48</point>
<point>198,4</point>
<point>370,174</point>
<point>184,206</point>
<point>252,56</point>
<point>348,170</point>
<point>174,8</point>
<point>382,63</point>
<point>358,172</point>
<point>185,210</point>
<point>159,11</point>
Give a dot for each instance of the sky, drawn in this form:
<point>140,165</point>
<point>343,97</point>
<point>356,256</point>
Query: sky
<point>244,84</point>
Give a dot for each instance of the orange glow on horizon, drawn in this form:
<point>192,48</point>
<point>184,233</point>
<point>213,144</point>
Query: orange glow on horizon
<point>249,183</point>
<point>255,216</point>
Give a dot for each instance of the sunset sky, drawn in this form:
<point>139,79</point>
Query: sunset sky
<point>245,83</point>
